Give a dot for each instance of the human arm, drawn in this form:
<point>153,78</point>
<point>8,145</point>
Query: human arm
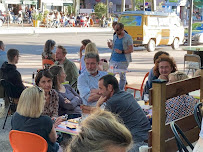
<point>81,48</point>
<point>52,135</point>
<point>101,101</point>
<point>129,50</point>
<point>94,95</point>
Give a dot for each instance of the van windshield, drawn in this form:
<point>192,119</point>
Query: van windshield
<point>131,20</point>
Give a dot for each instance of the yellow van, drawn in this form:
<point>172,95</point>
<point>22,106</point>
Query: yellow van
<point>150,29</point>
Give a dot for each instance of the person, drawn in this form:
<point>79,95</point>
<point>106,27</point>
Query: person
<point>179,106</point>
<point>199,145</point>
<point>3,57</point>
<point>10,73</point>
<point>69,67</point>
<point>69,100</point>
<point>88,81</point>
<point>47,53</point>
<point>28,117</point>
<point>103,132</point>
<point>43,79</point>
<point>148,84</point>
<point>122,47</point>
<point>82,47</point>
<point>126,107</point>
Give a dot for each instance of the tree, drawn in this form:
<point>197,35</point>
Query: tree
<point>100,9</point>
<point>198,3</point>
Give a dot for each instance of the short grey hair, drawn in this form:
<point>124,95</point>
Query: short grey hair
<point>92,56</point>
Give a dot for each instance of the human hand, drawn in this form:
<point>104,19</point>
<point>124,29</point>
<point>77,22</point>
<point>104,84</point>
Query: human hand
<point>163,77</point>
<point>66,100</point>
<point>101,101</point>
<point>57,121</point>
<point>118,51</point>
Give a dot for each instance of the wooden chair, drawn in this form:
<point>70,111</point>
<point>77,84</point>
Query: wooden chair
<point>27,142</point>
<point>46,63</point>
<point>194,62</point>
<point>137,87</point>
<point>161,137</point>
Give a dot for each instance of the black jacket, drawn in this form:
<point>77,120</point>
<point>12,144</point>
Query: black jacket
<point>9,73</point>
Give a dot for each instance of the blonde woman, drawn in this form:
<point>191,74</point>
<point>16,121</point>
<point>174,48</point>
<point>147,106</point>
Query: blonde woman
<point>179,106</point>
<point>28,117</point>
<point>101,132</point>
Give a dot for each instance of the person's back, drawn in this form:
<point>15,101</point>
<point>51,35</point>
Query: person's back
<point>124,104</point>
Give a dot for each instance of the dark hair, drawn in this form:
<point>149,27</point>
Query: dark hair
<point>1,43</point>
<point>120,25</point>
<point>92,55</point>
<point>48,45</point>
<point>41,73</point>
<point>159,53</point>
<point>55,71</point>
<point>109,79</point>
<point>64,51</point>
<point>12,53</point>
<point>166,58</point>
<point>114,23</point>
<point>85,42</point>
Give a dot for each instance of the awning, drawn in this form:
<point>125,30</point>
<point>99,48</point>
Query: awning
<point>33,2</point>
<point>56,3</point>
<point>12,2</point>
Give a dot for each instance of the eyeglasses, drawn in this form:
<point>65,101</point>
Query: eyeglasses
<point>39,89</point>
<point>117,30</point>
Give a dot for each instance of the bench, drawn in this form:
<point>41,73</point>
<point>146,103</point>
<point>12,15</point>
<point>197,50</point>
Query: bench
<point>161,137</point>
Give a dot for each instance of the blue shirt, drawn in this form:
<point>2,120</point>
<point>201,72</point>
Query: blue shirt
<point>116,56</point>
<point>87,82</point>
<point>3,57</point>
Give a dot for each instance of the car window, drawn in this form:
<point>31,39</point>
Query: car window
<point>131,20</point>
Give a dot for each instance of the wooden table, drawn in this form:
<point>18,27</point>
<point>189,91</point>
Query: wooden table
<point>196,50</point>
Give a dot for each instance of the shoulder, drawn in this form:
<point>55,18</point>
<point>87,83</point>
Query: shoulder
<point>67,86</point>
<point>102,73</point>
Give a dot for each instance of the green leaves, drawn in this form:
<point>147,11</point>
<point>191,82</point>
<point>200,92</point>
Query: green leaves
<point>100,9</point>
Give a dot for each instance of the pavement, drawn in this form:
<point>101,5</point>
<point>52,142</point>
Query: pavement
<point>28,29</point>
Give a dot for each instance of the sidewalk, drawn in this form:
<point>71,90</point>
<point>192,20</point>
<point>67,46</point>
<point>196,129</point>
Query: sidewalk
<point>28,29</point>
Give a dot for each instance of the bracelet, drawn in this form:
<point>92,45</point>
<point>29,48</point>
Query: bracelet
<point>123,52</point>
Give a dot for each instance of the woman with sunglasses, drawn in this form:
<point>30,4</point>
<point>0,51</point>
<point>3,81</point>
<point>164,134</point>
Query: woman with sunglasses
<point>43,79</point>
<point>69,100</point>
<point>47,53</point>
<point>28,117</point>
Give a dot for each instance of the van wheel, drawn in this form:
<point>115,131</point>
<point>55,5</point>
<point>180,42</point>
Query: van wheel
<point>175,44</point>
<point>151,45</point>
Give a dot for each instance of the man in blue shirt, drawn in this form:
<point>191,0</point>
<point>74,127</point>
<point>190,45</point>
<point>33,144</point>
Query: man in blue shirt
<point>3,55</point>
<point>88,81</point>
<point>122,47</point>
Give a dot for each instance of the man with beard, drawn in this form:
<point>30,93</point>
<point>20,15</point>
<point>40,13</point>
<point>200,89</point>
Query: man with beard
<point>88,81</point>
<point>69,67</point>
<point>126,107</point>
<point>122,47</point>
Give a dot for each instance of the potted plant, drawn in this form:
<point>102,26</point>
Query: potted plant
<point>37,18</point>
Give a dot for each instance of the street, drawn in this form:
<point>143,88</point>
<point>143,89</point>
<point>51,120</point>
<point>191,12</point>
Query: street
<point>31,47</point>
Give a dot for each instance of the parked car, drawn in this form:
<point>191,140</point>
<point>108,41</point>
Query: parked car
<point>2,18</point>
<point>197,33</point>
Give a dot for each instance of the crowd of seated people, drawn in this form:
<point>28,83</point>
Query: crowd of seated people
<point>53,97</point>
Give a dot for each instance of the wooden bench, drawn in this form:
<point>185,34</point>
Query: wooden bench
<point>161,138</point>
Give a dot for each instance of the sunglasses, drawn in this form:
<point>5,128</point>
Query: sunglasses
<point>42,70</point>
<point>39,89</point>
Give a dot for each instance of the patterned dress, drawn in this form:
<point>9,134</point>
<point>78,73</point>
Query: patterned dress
<point>179,107</point>
<point>51,107</point>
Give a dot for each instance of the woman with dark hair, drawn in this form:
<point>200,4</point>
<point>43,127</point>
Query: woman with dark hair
<point>47,53</point>
<point>69,100</point>
<point>43,79</point>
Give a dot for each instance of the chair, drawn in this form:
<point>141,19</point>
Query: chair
<point>176,131</point>
<point>8,88</point>
<point>27,142</point>
<point>137,87</point>
<point>46,63</point>
<point>198,114</point>
<point>194,62</point>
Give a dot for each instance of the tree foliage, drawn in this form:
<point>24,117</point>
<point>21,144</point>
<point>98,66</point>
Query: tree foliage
<point>138,3</point>
<point>198,3</point>
<point>100,9</point>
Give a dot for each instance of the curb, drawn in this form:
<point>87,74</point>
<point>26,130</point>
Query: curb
<point>34,30</point>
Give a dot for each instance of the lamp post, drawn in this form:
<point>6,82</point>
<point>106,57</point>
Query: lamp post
<point>190,24</point>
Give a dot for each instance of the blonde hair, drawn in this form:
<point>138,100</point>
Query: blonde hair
<point>31,102</point>
<point>178,75</point>
<point>91,48</point>
<point>100,130</point>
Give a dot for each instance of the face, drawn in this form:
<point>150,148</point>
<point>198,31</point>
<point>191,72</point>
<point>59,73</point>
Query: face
<point>118,30</point>
<point>2,47</point>
<point>165,68</point>
<point>59,55</point>
<point>91,65</point>
<point>62,77</point>
<point>45,83</point>
<point>16,58</point>
<point>171,79</point>
<point>105,92</point>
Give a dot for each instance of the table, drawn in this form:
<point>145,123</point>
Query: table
<point>196,50</point>
<point>62,127</point>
